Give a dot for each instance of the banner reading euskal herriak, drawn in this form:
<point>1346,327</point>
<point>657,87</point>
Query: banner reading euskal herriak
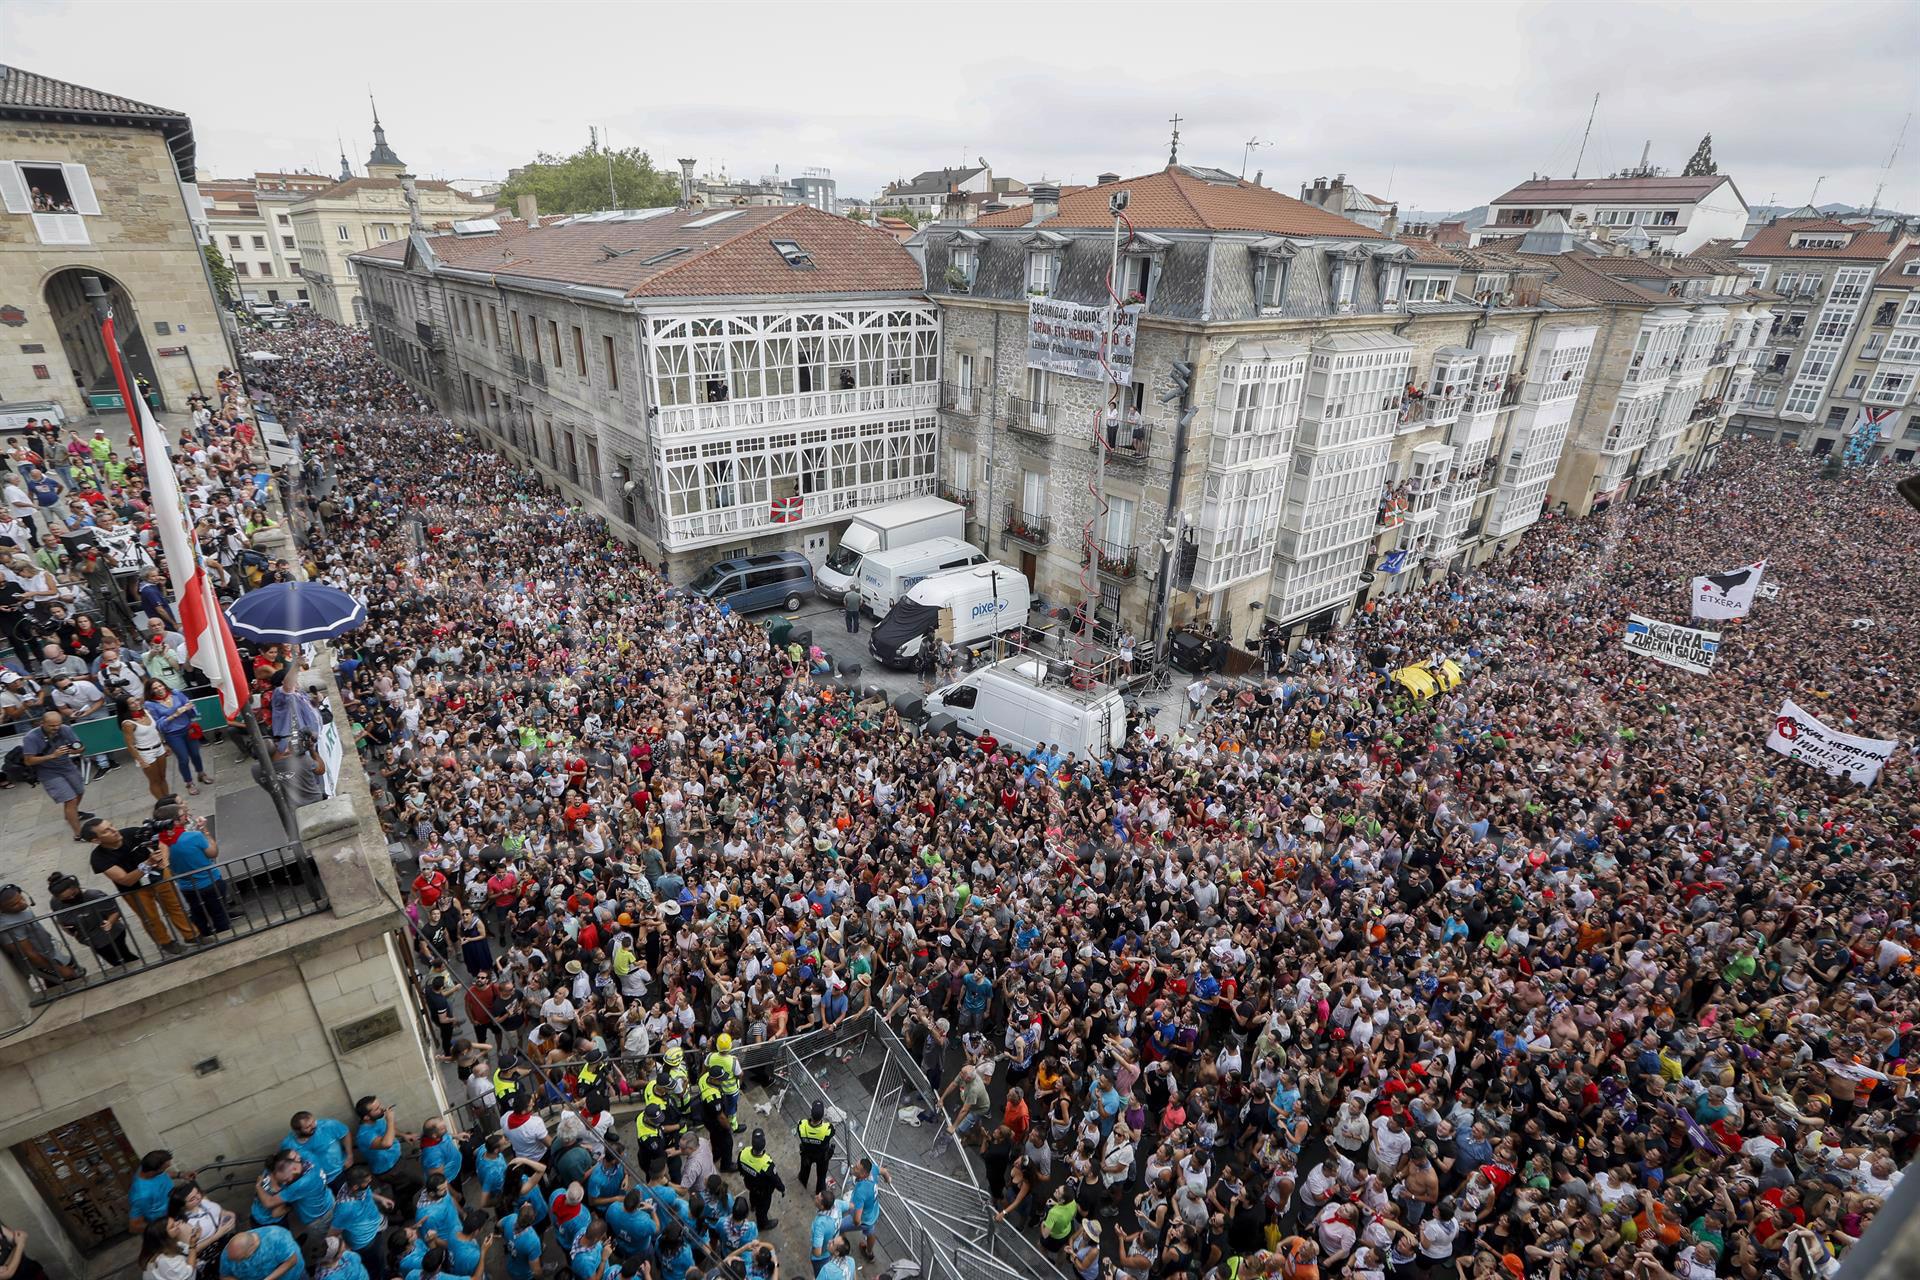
<point>1717,596</point>
<point>1802,736</point>
<point>1067,338</point>
<point>1687,648</point>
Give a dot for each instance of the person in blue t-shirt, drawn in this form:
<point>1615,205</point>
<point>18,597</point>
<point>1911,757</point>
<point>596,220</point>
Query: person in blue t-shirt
<point>607,1181</point>
<point>325,1142</point>
<point>335,1261</point>
<point>437,1213</point>
<point>440,1149</point>
<point>591,1256</point>
<point>490,1167</point>
<point>676,1254</point>
<point>523,1244</point>
<point>634,1223</point>
<point>467,1250</point>
<point>152,1184</point>
<point>378,1138</point>
<point>290,1192</point>
<point>825,1230</point>
<point>359,1213</point>
<point>264,1253</point>
<point>866,1201</point>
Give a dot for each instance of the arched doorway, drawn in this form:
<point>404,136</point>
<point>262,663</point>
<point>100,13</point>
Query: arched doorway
<point>79,330</point>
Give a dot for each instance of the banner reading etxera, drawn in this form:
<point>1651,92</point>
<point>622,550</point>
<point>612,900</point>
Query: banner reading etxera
<point>1800,735</point>
<point>1067,338</point>
<point>1684,647</point>
<point>1727,595</point>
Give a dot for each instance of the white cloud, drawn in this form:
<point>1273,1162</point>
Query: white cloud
<point>1451,104</point>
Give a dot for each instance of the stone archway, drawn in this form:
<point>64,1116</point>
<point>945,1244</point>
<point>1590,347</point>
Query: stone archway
<point>73,318</point>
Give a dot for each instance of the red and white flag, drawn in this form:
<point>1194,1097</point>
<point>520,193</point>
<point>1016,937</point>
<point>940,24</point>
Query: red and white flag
<point>209,643</point>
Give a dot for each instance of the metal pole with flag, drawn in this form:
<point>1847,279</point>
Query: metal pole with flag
<point>103,308</point>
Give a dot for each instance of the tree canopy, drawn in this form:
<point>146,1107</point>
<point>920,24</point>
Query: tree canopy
<point>578,183</point>
<point>221,272</point>
<point>1702,163</point>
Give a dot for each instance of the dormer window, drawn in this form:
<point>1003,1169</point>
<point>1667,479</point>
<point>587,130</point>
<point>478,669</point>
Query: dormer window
<point>1043,266</point>
<point>1429,288</point>
<point>1391,275</point>
<point>1136,273</point>
<point>1272,262</point>
<point>1345,276</point>
<point>1490,285</point>
<point>963,260</point>
<point>1808,241</point>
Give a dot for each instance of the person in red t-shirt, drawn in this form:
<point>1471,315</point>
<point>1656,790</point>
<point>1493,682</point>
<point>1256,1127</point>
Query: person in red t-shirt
<point>428,886</point>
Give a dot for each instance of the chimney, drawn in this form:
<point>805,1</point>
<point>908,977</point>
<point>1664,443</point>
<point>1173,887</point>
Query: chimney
<point>529,207</point>
<point>1340,182</point>
<point>1107,179</point>
<point>1046,200</point>
<point>1392,223</point>
<point>1258,177</point>
<point>411,191</point>
<point>686,182</point>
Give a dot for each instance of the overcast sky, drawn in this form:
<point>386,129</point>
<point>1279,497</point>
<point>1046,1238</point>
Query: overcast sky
<point>1437,106</point>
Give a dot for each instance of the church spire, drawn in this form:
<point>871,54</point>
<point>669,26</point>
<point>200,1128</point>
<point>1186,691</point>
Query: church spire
<point>382,163</point>
<point>346,170</point>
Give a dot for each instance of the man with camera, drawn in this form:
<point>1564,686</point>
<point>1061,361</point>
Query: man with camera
<point>52,751</point>
<point>137,863</point>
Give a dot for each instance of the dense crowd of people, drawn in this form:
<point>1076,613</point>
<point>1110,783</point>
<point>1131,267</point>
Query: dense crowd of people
<point>1563,973</point>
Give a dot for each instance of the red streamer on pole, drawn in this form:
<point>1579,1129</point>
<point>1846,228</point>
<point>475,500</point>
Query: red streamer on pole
<point>127,389</point>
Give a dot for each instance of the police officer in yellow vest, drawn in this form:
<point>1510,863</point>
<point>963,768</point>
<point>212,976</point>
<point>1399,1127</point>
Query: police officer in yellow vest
<point>762,1179</point>
<point>713,1114</point>
<point>729,1066</point>
<point>648,1147</point>
<point>593,1071</point>
<point>676,1064</point>
<point>507,1077</point>
<point>816,1146</point>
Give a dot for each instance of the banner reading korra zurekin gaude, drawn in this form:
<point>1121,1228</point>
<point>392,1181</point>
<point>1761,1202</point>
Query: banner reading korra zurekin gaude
<point>1688,648</point>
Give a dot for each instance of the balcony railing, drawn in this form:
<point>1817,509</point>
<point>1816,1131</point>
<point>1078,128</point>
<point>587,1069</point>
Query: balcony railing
<point>958,399</point>
<point>1704,409</point>
<point>255,893</point>
<point>963,497</point>
<point>1723,353</point>
<point>1114,560</point>
<point>1895,396</point>
<point>1035,417</point>
<point>516,364</point>
<point>1022,527</point>
<point>1128,440</point>
<point>1429,410</point>
<point>772,410</point>
<point>537,373</point>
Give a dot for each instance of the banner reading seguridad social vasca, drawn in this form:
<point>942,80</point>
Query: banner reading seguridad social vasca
<point>1687,648</point>
<point>1801,735</point>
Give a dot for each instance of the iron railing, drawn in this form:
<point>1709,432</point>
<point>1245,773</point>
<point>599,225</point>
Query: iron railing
<point>957,399</point>
<point>252,894</point>
<point>962,497</point>
<point>1023,527</point>
<point>1128,440</point>
<point>1114,560</point>
<point>1034,417</point>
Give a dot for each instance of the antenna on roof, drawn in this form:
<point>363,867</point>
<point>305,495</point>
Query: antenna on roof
<point>1897,142</point>
<point>1816,193</point>
<point>1591,112</point>
<point>1247,150</point>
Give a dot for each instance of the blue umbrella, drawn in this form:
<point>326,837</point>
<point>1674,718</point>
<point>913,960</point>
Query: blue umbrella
<point>295,613</point>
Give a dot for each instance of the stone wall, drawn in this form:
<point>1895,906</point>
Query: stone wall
<point>142,238</point>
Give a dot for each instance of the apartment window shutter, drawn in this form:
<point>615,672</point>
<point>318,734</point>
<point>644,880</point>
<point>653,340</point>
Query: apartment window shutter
<point>13,188</point>
<point>80,188</point>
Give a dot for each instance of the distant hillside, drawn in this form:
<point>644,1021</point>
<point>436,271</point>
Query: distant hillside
<point>1774,210</point>
<point>1475,217</point>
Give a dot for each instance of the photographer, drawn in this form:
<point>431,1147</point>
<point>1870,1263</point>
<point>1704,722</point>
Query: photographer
<point>52,751</point>
<point>92,918</point>
<point>136,862</point>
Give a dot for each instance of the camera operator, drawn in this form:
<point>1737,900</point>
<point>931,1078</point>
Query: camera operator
<point>137,863</point>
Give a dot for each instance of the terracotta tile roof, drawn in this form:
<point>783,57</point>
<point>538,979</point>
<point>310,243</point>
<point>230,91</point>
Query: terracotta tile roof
<point>1177,199</point>
<point>732,257</point>
<point>1573,275</point>
<point>1664,190</point>
<point>1895,276</point>
<point>1427,253</point>
<point>1775,241</point>
<point>27,90</point>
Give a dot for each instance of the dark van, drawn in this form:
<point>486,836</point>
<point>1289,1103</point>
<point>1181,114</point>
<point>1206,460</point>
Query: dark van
<point>777,580</point>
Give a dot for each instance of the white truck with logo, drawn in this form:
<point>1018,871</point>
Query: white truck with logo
<point>961,607</point>
<point>898,524</point>
<point>885,576</point>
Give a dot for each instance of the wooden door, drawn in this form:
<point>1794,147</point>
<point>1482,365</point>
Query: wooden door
<point>83,1170</point>
<point>1030,566</point>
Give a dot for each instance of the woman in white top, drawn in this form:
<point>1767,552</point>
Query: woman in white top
<point>168,1251</point>
<point>209,1221</point>
<point>146,746</point>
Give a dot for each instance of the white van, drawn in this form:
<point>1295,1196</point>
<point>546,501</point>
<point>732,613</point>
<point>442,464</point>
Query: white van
<point>961,606</point>
<point>885,576</point>
<point>898,524</point>
<point>1012,701</point>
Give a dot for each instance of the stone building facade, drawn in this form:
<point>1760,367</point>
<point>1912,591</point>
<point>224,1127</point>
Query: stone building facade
<point>1822,272</point>
<point>364,212</point>
<point>714,383</point>
<point>1309,337</point>
<point>96,184</point>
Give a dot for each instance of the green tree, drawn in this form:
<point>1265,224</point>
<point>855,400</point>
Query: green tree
<point>1702,162</point>
<point>903,213</point>
<point>579,183</point>
<point>222,273</point>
